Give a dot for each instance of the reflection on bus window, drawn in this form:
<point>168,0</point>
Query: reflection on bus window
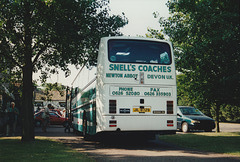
<point>164,59</point>
<point>136,51</point>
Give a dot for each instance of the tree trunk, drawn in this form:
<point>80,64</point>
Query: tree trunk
<point>28,119</point>
<point>217,117</point>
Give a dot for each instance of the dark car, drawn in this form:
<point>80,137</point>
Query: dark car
<point>190,118</point>
<point>55,118</point>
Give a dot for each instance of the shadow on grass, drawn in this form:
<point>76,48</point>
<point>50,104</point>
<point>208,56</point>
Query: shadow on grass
<point>135,149</point>
<point>12,149</point>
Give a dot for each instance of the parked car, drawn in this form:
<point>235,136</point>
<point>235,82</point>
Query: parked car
<point>57,111</point>
<point>55,119</point>
<point>190,118</point>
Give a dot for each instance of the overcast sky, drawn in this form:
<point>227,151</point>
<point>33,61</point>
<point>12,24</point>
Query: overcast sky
<point>140,16</point>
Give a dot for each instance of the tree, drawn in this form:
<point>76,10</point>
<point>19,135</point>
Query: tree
<point>49,88</point>
<point>153,33</point>
<point>39,34</point>
<point>186,95</point>
<point>205,34</point>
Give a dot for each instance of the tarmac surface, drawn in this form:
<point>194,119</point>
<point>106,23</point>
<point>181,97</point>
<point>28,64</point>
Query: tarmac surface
<point>132,149</point>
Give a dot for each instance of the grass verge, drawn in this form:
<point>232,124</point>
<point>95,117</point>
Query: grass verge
<point>227,143</point>
<point>12,149</point>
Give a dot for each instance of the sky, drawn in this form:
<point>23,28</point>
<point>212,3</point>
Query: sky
<point>140,14</point>
<point>140,17</point>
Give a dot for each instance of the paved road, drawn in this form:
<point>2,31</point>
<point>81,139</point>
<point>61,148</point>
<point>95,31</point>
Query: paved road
<point>229,127</point>
<point>135,150</point>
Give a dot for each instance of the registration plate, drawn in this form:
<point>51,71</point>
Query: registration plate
<point>141,110</point>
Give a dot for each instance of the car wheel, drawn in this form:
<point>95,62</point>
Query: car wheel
<point>185,128</point>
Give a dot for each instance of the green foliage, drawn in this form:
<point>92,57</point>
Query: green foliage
<point>230,113</point>
<point>40,34</point>
<point>186,95</point>
<point>56,32</point>
<point>183,91</point>
<point>11,79</point>
<point>49,87</point>
<point>152,33</point>
<point>205,35</point>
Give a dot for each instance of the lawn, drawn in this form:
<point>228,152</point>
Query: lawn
<point>42,149</point>
<point>227,143</point>
<point>12,149</point>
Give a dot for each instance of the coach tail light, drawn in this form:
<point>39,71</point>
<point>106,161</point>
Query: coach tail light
<point>170,123</point>
<point>112,123</point>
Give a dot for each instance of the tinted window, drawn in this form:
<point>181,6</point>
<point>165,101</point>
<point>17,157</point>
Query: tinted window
<point>190,111</point>
<point>137,51</point>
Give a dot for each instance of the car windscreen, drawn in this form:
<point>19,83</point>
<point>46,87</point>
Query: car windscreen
<point>139,51</point>
<point>190,111</point>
